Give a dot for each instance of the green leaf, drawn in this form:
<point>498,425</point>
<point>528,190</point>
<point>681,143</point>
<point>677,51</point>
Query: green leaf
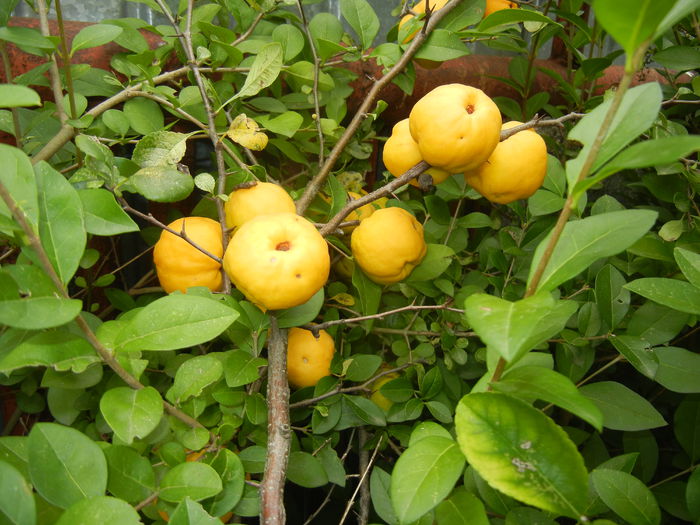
<point>193,376</point>
<point>363,20</point>
<point>519,451</point>
<point>379,483</point>
<point>692,494</point>
<point>536,382</point>
<point>686,426</point>
<point>514,328</point>
<point>689,263</point>
<point>325,27</point>
<point>584,241</point>
<point>15,96</point>
<point>193,480</point>
<point>306,470</point>
<point>61,350</point>
<point>637,353</point>
<point>116,121</point>
<point>369,294</point>
<point>17,505</point>
<point>241,367</point>
<point>437,259</point>
<point>94,36</point>
<point>360,367</point>
<point>190,512</point>
<point>611,298</point>
<point>680,9</point>
<point>506,17</point>
<point>18,178</point>
<point>38,313</point>
<point>442,45</point>
<point>637,112</point>
<point>229,466</point>
<point>131,476</point>
<point>161,184</point>
<point>65,465</point>
<point>461,508</point>
<point>175,321</point>
<point>264,71</point>
<point>100,509</point>
<point>302,314</point>
<point>424,475</point>
<point>628,497</point>
<point>679,295</point>
<point>631,22</point>
<point>160,148</point>
<point>365,410</point>
<point>678,369</point>
<point>144,115</point>
<point>132,413</point>
<point>6,9</point>
<point>287,124</point>
<point>61,225</point>
<point>13,451</point>
<point>26,38</point>
<point>103,215</point>
<point>622,408</point>
<point>291,39</point>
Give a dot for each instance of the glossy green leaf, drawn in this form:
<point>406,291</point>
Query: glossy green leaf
<point>363,20</point>
<point>638,354</point>
<point>13,451</point>
<point>584,241</point>
<point>689,263</point>
<point>442,45</point>
<point>631,22</point>
<point>306,470</point>
<point>175,321</point>
<point>679,295</point>
<point>65,465</point>
<point>61,225</point>
<point>514,328</point>
<point>100,509</point>
<point>692,494</point>
<point>38,313</point>
<point>131,476</point>
<point>611,298</point>
<point>622,408</point>
<point>103,215</point>
<point>291,38</point>
<point>686,426</point>
<point>193,376</point>
<point>287,124</point>
<point>637,112</point>
<point>6,9</point>
<point>628,497</point>
<point>369,295</point>
<point>535,382</point>
<point>437,259</point>
<point>160,148</point>
<point>16,501</point>
<point>94,36</point>
<point>424,475</point>
<point>461,508</point>
<point>161,184</point>
<point>189,512</point>
<point>518,450</point>
<point>230,468</point>
<point>193,480</point>
<point>679,369</point>
<point>365,411</point>
<point>131,413</point>
<point>505,17</point>
<point>379,484</point>
<point>58,349</point>
<point>19,180</point>
<point>26,38</point>
<point>241,367</point>
<point>302,314</point>
<point>144,115</point>
<point>361,367</point>
<point>14,96</point>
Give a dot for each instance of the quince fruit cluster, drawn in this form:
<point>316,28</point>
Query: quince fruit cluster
<point>275,257</point>
<point>456,129</point>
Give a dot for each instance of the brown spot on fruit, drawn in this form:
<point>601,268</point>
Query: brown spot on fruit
<point>283,246</point>
<point>470,109</point>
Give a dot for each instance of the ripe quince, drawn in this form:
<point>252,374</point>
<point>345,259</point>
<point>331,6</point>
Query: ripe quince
<point>179,265</point>
<point>401,153</point>
<point>260,199</point>
<point>455,126</point>
<point>388,245</point>
<point>496,5</point>
<point>308,359</point>
<point>515,169</point>
<point>278,260</point>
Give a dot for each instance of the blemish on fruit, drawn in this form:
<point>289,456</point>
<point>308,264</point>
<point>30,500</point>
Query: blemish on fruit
<point>283,246</point>
<point>470,109</point>
<point>298,276</point>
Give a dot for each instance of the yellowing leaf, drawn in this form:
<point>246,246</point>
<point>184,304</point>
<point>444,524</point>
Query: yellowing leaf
<point>343,298</point>
<point>245,131</point>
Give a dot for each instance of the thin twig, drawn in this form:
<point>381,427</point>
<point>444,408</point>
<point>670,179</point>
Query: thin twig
<point>7,66</point>
<point>348,507</point>
<point>538,122</point>
<point>54,75</point>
